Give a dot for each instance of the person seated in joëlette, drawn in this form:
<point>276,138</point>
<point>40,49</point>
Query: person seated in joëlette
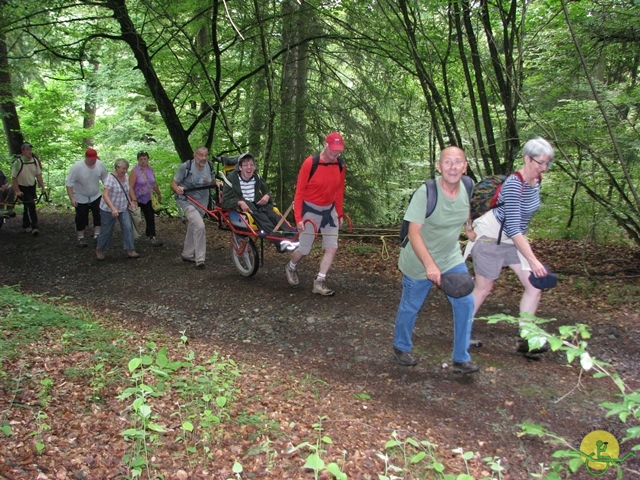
<point>247,192</point>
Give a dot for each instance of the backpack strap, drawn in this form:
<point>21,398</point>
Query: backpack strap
<point>315,162</point>
<point>188,171</point>
<point>432,197</point>
<point>432,193</point>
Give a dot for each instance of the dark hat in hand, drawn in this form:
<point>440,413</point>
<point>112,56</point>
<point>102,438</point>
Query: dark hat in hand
<point>457,285</point>
<point>543,283</point>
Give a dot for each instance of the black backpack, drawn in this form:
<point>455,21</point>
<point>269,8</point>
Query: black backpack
<point>315,163</point>
<point>432,200</point>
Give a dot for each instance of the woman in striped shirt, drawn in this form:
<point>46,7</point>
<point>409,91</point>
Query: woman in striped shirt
<point>519,199</point>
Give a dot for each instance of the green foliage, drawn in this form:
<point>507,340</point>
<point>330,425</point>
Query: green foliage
<point>206,392</point>
<point>572,341</point>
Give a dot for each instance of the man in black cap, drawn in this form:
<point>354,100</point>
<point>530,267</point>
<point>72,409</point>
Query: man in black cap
<point>26,170</point>
<point>432,254</point>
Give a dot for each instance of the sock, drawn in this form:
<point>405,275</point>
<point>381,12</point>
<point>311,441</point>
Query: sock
<point>321,276</point>
<point>292,265</point>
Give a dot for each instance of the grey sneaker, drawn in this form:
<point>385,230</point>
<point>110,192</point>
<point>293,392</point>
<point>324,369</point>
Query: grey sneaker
<point>320,287</point>
<point>82,242</point>
<point>155,242</point>
<point>132,254</point>
<point>404,358</point>
<point>26,229</point>
<point>522,346</point>
<point>292,275</point>
<point>35,232</point>
<point>465,367</point>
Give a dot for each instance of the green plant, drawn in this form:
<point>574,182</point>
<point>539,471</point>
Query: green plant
<point>41,427</point>
<point>145,429</point>
<point>408,455</point>
<point>572,341</point>
<point>314,460</point>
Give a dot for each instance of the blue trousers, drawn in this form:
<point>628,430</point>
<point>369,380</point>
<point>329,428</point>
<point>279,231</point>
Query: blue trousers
<point>108,222</point>
<point>414,293</point>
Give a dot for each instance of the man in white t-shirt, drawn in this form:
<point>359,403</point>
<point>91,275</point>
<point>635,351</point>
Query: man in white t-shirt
<point>83,188</point>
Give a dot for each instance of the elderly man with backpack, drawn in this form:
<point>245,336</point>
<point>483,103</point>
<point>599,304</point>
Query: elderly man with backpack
<point>432,256</point>
<point>194,177</point>
<point>26,170</point>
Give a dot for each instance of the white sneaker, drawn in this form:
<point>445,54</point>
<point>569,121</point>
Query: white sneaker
<point>288,246</point>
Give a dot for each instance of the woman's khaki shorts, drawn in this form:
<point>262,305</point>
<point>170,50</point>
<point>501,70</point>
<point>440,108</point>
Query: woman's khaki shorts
<point>489,258</point>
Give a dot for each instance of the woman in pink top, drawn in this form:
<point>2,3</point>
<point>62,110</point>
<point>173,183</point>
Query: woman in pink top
<point>142,182</point>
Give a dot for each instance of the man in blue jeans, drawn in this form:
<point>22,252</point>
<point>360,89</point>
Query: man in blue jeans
<point>432,251</point>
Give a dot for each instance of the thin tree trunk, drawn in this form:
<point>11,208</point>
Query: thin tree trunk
<point>10,119</point>
<point>482,91</point>
<point>90,107</point>
<point>141,53</point>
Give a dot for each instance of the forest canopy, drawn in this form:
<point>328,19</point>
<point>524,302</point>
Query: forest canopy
<point>401,79</point>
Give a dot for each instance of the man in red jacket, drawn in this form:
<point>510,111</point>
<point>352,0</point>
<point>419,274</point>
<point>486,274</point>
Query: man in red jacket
<point>318,202</point>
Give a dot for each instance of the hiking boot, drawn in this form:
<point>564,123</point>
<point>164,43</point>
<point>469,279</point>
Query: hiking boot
<point>292,275</point>
<point>522,346</point>
<point>404,358</point>
<point>82,243</point>
<point>320,287</point>
<point>155,242</point>
<point>200,265</point>
<point>465,367</point>
<point>99,254</point>
<point>35,232</point>
<point>132,254</point>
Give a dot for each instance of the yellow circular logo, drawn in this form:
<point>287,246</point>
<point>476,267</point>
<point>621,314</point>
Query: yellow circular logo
<point>599,448</point>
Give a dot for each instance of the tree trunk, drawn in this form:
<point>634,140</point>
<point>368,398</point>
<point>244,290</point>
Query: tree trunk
<point>486,162</point>
<point>482,91</point>
<point>140,51</point>
<point>90,107</point>
<point>293,91</point>
<point>10,119</point>
<point>505,74</point>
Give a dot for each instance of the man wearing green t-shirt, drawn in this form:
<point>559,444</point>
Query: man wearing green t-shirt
<point>432,251</point>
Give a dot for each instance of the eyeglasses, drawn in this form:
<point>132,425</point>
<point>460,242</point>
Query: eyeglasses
<point>450,163</point>
<point>548,164</point>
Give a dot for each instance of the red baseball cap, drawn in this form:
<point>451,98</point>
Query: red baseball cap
<point>91,154</point>
<point>335,141</point>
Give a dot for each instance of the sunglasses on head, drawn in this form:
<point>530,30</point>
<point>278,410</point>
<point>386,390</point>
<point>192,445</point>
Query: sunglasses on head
<point>142,153</point>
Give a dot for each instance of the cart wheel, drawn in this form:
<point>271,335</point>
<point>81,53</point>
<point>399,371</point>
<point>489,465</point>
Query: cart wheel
<point>244,255</point>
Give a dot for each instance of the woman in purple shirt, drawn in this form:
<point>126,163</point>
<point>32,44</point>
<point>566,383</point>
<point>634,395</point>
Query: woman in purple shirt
<point>143,181</point>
